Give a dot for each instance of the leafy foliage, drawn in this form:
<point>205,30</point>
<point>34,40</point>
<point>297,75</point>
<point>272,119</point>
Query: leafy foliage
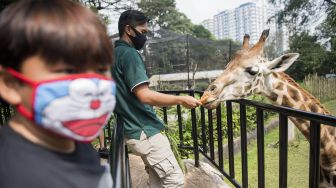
<point>299,14</point>
<point>173,129</point>
<point>111,5</point>
<point>311,55</point>
<point>164,15</point>
<point>317,50</point>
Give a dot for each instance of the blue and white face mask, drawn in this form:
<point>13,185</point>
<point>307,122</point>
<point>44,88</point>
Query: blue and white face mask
<point>75,106</point>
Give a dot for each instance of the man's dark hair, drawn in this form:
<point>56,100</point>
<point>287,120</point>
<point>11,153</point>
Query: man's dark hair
<point>132,18</point>
<point>55,30</point>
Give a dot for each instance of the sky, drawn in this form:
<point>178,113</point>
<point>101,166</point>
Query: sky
<point>196,10</point>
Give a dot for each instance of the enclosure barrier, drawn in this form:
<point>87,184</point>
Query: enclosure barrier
<point>118,157</point>
<point>206,147</point>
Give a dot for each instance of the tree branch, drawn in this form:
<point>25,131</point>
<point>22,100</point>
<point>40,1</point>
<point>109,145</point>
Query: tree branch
<point>331,2</point>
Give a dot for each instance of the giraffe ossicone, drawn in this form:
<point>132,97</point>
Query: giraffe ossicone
<point>249,72</point>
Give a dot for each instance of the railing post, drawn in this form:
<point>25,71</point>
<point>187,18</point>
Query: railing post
<point>118,158</point>
<point>165,116</point>
<point>211,138</point>
<point>194,132</point>
<point>220,137</point>
<point>260,146</point>
<point>179,120</point>
<point>127,169</point>
<point>243,134</point>
<point>283,146</point>
<point>230,138</point>
<point>314,156</point>
<point>204,140</point>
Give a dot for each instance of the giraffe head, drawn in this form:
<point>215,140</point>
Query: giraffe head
<point>246,74</point>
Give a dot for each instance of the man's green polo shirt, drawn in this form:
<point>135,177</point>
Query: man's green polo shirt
<point>128,72</point>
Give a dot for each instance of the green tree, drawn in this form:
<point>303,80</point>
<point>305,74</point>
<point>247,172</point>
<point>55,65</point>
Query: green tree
<point>103,7</point>
<point>300,14</point>
<point>164,15</point>
<point>312,55</point>
<point>318,50</point>
<point>111,5</point>
<point>200,32</point>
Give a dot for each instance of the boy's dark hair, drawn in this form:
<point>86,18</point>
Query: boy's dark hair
<point>56,30</point>
<point>132,18</point>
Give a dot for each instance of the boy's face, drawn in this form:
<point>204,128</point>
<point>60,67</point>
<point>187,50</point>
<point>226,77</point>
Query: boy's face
<point>35,69</point>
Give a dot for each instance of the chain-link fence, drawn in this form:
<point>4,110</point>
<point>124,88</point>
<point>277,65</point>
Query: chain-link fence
<point>177,61</point>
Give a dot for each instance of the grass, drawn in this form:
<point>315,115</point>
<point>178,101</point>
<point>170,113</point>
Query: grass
<point>298,160</point>
<point>331,106</point>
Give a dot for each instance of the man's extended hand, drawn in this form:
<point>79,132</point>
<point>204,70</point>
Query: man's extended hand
<point>189,102</point>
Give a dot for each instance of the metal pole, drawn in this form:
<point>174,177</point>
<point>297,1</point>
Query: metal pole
<point>188,68</point>
<point>261,149</point>
<point>314,157</point>
<point>194,133</point>
<point>283,153</point>
<point>243,135</point>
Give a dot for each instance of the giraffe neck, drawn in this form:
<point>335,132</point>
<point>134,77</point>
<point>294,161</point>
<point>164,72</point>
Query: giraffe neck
<point>283,90</point>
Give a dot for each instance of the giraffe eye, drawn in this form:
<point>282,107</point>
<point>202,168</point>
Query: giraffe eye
<point>212,88</point>
<point>252,70</point>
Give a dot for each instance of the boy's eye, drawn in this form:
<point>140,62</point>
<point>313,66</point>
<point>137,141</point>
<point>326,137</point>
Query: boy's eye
<point>102,70</point>
<point>68,71</point>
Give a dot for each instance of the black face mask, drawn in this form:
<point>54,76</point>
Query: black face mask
<point>139,40</point>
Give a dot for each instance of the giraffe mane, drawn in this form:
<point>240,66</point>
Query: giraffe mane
<point>309,95</point>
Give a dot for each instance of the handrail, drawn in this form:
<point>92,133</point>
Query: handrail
<point>209,122</point>
<point>118,158</point>
<point>324,119</point>
<point>207,138</point>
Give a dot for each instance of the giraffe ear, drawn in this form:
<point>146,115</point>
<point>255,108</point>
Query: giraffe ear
<point>283,62</point>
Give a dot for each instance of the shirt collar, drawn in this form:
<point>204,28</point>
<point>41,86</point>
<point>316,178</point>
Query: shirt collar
<point>121,42</point>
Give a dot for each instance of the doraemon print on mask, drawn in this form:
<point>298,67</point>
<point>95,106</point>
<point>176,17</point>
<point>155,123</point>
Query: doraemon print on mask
<point>75,106</point>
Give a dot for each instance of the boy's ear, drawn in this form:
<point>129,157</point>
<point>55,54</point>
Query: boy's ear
<point>9,90</point>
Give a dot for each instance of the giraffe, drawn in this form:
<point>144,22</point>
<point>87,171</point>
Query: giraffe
<point>250,73</point>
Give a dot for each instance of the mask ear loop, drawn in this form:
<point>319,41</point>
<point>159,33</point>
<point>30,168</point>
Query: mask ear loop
<point>28,114</point>
<point>20,76</point>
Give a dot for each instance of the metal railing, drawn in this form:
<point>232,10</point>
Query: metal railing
<point>206,146</point>
<point>118,156</point>
<point>203,138</point>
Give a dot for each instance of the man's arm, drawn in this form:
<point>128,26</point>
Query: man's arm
<point>147,96</point>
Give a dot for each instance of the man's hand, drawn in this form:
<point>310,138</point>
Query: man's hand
<point>147,96</point>
<point>189,102</point>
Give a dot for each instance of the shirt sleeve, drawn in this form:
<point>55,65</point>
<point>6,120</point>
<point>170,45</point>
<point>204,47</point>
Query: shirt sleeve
<point>134,70</point>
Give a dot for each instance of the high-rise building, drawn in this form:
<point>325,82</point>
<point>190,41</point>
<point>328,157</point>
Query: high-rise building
<point>249,18</point>
<point>224,25</point>
<point>209,25</point>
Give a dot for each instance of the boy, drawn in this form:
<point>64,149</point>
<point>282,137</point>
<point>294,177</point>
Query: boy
<point>55,57</point>
<point>135,101</point>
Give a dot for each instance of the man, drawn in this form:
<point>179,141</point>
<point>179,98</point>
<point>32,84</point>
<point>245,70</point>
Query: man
<point>135,100</point>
